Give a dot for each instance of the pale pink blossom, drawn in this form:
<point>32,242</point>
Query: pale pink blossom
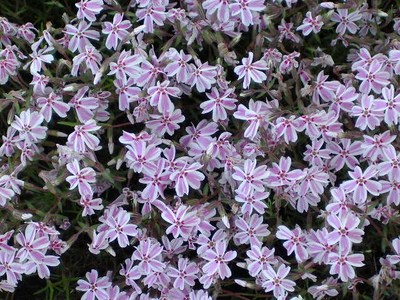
<point>117,31</point>
<point>82,139</point>
<point>81,178</point>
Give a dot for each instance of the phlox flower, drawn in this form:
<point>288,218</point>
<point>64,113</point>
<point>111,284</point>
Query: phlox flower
<point>324,89</point>
<point>148,253</point>
<point>167,122</point>
<point>390,164</point>
<point>141,157</point>
<point>28,126</point>
<point>94,287</point>
<point>126,65</point>
<point>218,259</point>
<point>155,181</point>
<point>261,259</point>
<point>373,146</point>
<point>276,282</point>
<point>149,71</point>
<point>251,230</point>
<point>82,139</point>
<point>343,264</point>
<point>390,105</point>
<point>81,178</point>
<point>150,15</point>
<point>31,243</point>
<point>182,221</point>
<point>41,266</point>
<point>202,75</point>
<point>295,241</point>
<point>120,229</point>
<point>89,9</point>
<point>251,70</point>
<point>126,92</point>
<point>9,142</point>
<point>250,177</point>
<point>200,134</point>
<point>310,24</point>
<point>179,66</point>
<point>285,32</point>
<point>186,176</point>
<point>5,193</point>
<point>219,103</point>
<point>252,201</point>
<point>10,267</point>
<point>343,98</point>
<point>345,230</point>
<point>7,67</point>
<point>346,21</point>
<point>288,127</point>
<point>319,247</point>
<point>315,155</point>
<point>244,8</point>
<point>219,6</point>
<point>117,31</point>
<point>185,274</point>
<point>160,96</point>
<point>345,154</point>
<point>80,36</point>
<point>367,115</point>
<point>39,57</point>
<point>280,175</point>
<point>289,62</point>
<point>372,77</point>
<point>361,183</point>
<point>90,56</point>
<point>325,289</point>
<point>27,32</point>
<point>52,102</point>
<point>90,205</point>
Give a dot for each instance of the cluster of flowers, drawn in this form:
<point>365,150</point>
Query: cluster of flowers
<point>200,198</point>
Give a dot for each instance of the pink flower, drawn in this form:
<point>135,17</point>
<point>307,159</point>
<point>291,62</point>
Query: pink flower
<point>256,115</point>
<point>7,67</point>
<point>120,229</point>
<point>165,123</point>
<point>218,259</point>
<point>39,57</point>
<point>80,36</point>
<point>92,59</point>
<point>159,96</point>
<point>390,164</point>
<point>52,102</point>
<point>319,247</point>
<point>156,182</point>
<point>251,230</point>
<point>201,134</point>
<point>310,24</point>
<point>81,178</point>
<point>280,175</point>
<point>315,155</point>
<point>285,32</point>
<point>142,158</point>
<point>345,230</point>
<point>125,92</point>
<point>94,288</point>
<point>251,70</point>
<point>344,155</point>
<point>288,128</point>
<point>151,15</point>
<point>261,259</point>
<point>202,76</point>
<point>126,66</point>
<point>10,267</point>
<point>346,21</point>
<point>252,201</point>
<point>31,243</point>
<point>183,221</point>
<point>368,116</point>
<point>186,176</point>
<point>344,98</point>
<point>373,146</point>
<point>89,9</point>
<point>276,282</point>
<point>185,274</point>
<point>28,126</point>
<point>295,241</point>
<point>390,105</point>
<point>343,263</point>
<point>84,106</point>
<point>82,139</point>
<point>219,6</point>
<point>218,104</point>
<point>324,89</point>
<point>41,265</point>
<point>372,78</point>
<point>250,177</point>
<point>179,66</point>
<point>245,9</point>
<point>149,255</point>
<point>361,183</point>
<point>117,31</point>
<point>90,205</point>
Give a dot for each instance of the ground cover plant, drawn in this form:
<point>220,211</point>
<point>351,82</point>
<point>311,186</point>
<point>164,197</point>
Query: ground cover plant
<point>199,149</point>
